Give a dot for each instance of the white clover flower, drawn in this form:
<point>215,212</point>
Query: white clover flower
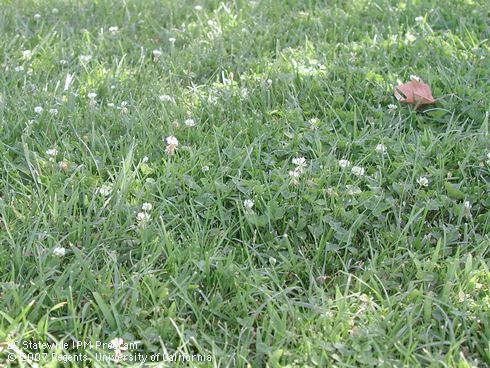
<point>414,77</point>
<point>423,181</point>
<point>344,163</point>
<point>381,148</point>
<point>110,104</point>
<point>314,123</point>
<point>37,16</point>
<point>147,207</point>
<point>52,152</point>
<point>172,140</point>
<point>142,218</point>
<point>357,170</point>
<point>205,168</point>
<point>118,346</point>
<point>38,109</point>
<point>85,58</point>
<point>27,54</point>
<point>467,210</point>
<point>166,98</point>
<point>53,111</point>
<point>156,54</point>
<point>248,204</point>
<point>63,62</point>
<point>198,7</point>
<point>172,40</point>
<point>294,174</point>
<point>190,122</point>
<point>244,92</point>
<point>55,10</point>
<point>59,251</point>
<point>299,161</point>
<point>410,37</point>
<point>105,190</point>
<point>488,158</point>
<point>114,29</point>
<point>172,144</point>
<point>19,68</point>
<point>392,108</point>
<point>419,19</point>
<point>92,95</point>
<point>145,159</point>
<point>117,343</point>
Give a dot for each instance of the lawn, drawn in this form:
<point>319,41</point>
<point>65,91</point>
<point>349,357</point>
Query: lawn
<point>234,184</point>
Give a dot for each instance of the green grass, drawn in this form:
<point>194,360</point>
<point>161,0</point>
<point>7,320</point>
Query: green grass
<point>326,269</point>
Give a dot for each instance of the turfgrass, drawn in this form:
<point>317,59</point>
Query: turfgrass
<point>388,268</point>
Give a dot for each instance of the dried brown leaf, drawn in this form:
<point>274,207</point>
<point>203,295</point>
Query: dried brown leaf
<point>414,92</point>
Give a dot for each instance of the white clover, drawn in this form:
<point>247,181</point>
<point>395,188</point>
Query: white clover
<point>118,346</point>
<point>53,111</point>
<point>410,37</point>
<point>414,77</point>
<point>63,62</point>
<point>38,109</point>
<point>294,174</point>
<point>357,170</point>
<point>156,54</point>
<point>248,204</point>
<point>205,168</point>
<point>300,162</point>
<point>488,158</point>
<point>467,205</point>
<point>105,190</point>
<point>19,68</point>
<point>59,251</point>
<point>344,163</point>
<point>423,181</point>
<point>52,152</point>
<point>381,148</point>
<point>172,40</point>
<point>166,98</point>
<point>314,123</point>
<point>85,58</point>
<point>392,108</point>
<point>110,104</point>
<point>123,108</point>
<point>419,19</point>
<point>92,95</point>
<point>144,159</point>
<point>117,343</point>
<point>172,140</point>
<point>190,122</point>
<point>55,10</point>
<point>27,54</point>
<point>114,29</point>
<point>172,144</point>
<point>37,16</point>
<point>198,7</point>
<point>147,207</point>
<point>244,93</point>
<point>142,218</point>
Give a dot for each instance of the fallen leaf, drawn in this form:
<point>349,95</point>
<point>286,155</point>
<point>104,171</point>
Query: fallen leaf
<point>414,92</point>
